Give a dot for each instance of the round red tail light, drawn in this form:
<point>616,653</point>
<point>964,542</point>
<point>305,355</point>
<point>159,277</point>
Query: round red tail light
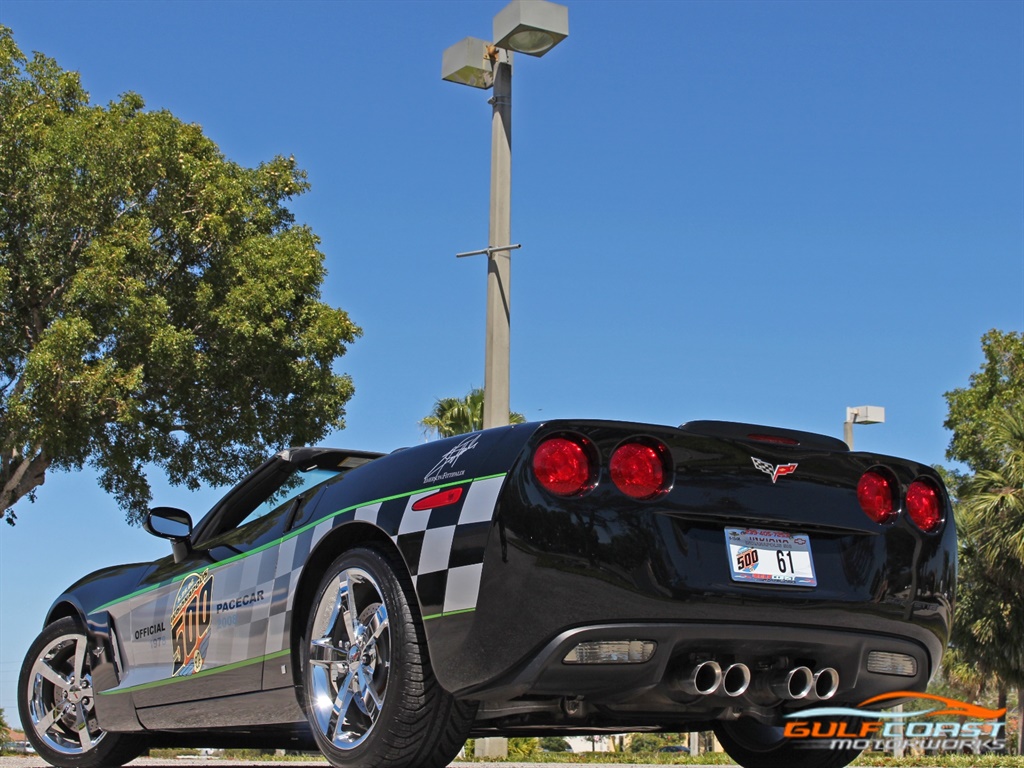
<point>638,470</point>
<point>875,494</point>
<point>924,505</point>
<point>562,466</point>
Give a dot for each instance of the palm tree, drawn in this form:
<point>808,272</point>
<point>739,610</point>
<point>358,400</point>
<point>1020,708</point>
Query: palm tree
<point>994,498</point>
<point>453,416</point>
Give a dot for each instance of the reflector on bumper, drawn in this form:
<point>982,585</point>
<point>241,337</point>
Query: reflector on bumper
<point>611,652</point>
<point>885,663</point>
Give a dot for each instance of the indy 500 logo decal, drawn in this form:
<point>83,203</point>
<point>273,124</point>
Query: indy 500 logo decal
<point>190,623</point>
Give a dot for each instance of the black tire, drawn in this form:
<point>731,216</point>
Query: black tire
<point>755,745</point>
<point>57,703</point>
<point>370,695</point>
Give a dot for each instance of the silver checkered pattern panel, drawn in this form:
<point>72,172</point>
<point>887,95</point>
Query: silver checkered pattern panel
<point>443,549</point>
<point>252,599</point>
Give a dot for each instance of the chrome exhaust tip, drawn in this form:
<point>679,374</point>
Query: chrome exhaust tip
<point>794,684</point>
<point>825,684</point>
<point>703,679</point>
<point>735,679</point>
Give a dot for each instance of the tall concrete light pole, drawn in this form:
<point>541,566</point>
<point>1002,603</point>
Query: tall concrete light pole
<point>532,27</point>
<point>862,414</point>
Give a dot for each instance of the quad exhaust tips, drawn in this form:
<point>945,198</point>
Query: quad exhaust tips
<point>707,678</point>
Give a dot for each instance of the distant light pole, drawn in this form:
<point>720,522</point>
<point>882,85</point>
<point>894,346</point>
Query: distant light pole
<point>532,27</point>
<point>862,414</point>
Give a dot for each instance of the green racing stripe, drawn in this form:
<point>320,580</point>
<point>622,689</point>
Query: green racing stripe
<point>297,532</point>
<point>203,673</point>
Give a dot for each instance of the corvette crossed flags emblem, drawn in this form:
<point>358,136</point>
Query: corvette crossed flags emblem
<point>774,471</point>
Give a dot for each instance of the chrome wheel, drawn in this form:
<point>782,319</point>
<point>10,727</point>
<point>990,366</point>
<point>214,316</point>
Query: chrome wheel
<point>60,699</point>
<point>349,658</point>
<point>368,690</point>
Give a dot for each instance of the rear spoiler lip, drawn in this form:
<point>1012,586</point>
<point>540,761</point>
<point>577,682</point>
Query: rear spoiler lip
<point>756,433</point>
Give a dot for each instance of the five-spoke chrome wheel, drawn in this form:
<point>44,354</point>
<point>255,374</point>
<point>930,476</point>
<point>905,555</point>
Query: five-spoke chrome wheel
<point>60,699</point>
<point>369,692</point>
<point>349,657</point>
<point>58,703</point>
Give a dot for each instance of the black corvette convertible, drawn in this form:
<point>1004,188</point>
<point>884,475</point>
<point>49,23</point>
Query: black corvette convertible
<point>560,577</point>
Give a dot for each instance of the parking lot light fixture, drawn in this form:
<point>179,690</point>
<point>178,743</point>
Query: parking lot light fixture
<point>862,414</point>
<point>532,27</point>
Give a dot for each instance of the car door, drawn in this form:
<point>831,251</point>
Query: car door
<point>199,626</point>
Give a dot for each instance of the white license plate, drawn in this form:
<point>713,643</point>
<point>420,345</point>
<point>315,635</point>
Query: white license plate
<point>778,558</point>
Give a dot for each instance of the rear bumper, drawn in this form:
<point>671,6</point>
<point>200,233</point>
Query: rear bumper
<point>764,649</point>
<point>534,607</point>
<point>529,617</point>
<point>533,603</point>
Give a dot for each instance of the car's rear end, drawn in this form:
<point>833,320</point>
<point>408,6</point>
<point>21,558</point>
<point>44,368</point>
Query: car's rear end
<point>638,572</point>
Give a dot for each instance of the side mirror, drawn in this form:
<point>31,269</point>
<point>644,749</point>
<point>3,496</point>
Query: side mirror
<point>174,524</point>
<point>168,523</point>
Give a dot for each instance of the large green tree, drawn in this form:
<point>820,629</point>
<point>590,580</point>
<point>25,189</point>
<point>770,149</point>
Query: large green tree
<point>987,419</point>
<point>158,303</point>
<point>997,387</point>
<point>987,647</point>
<point>458,416</point>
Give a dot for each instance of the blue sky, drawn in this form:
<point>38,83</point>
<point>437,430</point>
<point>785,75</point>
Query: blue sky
<point>755,211</point>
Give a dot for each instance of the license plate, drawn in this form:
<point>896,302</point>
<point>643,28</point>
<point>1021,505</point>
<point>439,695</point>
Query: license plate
<point>778,558</point>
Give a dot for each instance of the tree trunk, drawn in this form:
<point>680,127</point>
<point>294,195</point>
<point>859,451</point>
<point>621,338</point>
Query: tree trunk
<point>1020,719</point>
<point>1001,704</point>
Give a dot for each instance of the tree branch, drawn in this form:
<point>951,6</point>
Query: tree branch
<point>21,476</point>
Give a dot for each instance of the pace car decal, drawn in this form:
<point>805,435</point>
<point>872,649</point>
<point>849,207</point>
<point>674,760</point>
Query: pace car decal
<point>190,623</point>
<point>240,601</point>
<point>772,470</point>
